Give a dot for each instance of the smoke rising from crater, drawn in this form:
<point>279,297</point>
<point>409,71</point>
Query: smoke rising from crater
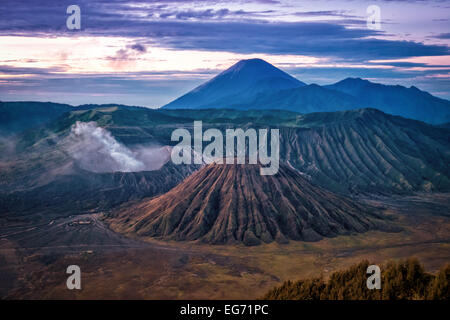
<point>95,149</point>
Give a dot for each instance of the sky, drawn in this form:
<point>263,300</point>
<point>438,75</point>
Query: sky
<point>147,53</point>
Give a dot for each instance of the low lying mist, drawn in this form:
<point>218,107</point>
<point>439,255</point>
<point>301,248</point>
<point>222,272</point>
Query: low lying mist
<point>95,149</point>
<point>7,147</point>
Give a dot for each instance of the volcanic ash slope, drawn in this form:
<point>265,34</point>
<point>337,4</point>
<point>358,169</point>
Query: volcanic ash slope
<point>225,204</point>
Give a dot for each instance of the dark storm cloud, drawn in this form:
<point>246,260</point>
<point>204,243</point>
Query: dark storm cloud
<point>203,14</point>
<point>305,38</point>
<point>401,64</point>
<point>211,14</point>
<point>138,47</point>
<point>10,70</point>
<point>207,31</point>
<point>444,36</point>
<point>333,13</point>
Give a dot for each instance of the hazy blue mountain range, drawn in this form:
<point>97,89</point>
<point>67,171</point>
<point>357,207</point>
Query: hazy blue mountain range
<point>445,125</point>
<point>256,84</point>
<point>17,116</point>
<point>306,99</point>
<point>395,99</point>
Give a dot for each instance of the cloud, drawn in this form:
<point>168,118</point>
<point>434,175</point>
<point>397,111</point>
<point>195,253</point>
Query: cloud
<point>11,70</point>
<point>95,149</point>
<point>209,14</point>
<point>208,30</point>
<point>189,14</point>
<point>204,26</point>
<point>304,38</point>
<point>138,47</point>
<point>154,89</point>
<point>424,80</point>
<point>443,36</point>
<point>140,89</point>
<point>332,13</point>
<point>126,56</point>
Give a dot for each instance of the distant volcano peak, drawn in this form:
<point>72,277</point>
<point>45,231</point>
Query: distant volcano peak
<point>253,61</point>
<point>254,65</point>
<point>237,85</point>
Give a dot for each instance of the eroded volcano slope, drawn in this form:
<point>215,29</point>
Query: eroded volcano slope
<point>233,203</point>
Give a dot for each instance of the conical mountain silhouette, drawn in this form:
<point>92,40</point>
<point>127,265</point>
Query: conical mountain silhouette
<point>240,83</point>
<point>232,203</point>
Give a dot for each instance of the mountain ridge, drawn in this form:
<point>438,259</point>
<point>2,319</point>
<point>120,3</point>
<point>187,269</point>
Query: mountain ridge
<point>231,203</point>
<point>258,91</point>
<point>409,102</point>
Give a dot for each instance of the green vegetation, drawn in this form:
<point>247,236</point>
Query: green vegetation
<point>399,280</point>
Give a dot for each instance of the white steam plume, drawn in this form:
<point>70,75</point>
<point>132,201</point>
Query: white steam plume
<point>95,149</point>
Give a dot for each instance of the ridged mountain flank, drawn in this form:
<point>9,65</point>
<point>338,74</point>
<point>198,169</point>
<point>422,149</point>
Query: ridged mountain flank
<point>369,151</point>
<point>226,204</point>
